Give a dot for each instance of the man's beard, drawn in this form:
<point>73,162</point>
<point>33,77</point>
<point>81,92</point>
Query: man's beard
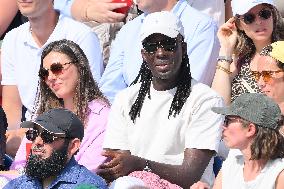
<point>39,168</point>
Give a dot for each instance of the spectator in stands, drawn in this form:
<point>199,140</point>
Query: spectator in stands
<point>255,25</point>
<point>56,135</point>
<point>66,81</point>
<point>252,125</point>
<point>20,57</point>
<point>125,57</point>
<point>270,72</point>
<point>160,123</point>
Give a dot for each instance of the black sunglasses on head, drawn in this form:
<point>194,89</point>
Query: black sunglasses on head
<point>167,44</point>
<point>249,18</point>
<point>46,136</point>
<point>55,68</point>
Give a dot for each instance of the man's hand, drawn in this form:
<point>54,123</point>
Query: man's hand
<point>122,163</point>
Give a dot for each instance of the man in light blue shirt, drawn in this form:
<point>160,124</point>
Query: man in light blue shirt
<point>125,57</point>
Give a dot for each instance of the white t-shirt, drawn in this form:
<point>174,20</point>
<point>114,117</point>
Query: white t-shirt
<point>157,138</point>
<point>21,56</point>
<point>232,173</point>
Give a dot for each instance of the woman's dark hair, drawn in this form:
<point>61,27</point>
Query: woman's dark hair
<point>86,90</point>
<point>145,77</point>
<point>245,47</point>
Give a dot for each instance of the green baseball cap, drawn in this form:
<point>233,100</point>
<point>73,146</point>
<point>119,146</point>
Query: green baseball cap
<point>254,107</point>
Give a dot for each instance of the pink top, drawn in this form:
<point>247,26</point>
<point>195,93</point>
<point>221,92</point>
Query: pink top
<point>90,150</point>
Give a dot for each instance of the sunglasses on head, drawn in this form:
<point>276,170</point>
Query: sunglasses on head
<point>263,14</point>
<point>55,68</point>
<point>167,45</point>
<point>47,137</point>
<point>266,75</point>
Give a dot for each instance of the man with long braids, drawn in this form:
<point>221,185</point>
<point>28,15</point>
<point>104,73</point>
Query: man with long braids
<point>162,125</point>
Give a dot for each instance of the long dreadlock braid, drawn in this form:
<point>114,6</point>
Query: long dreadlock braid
<point>145,77</point>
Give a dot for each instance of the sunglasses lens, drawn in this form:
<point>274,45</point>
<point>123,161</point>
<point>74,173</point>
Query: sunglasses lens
<point>46,137</point>
<point>31,134</point>
<point>266,76</point>
<point>264,14</point>
<point>43,73</point>
<point>249,18</point>
<point>150,47</point>
<point>56,68</point>
<point>256,75</point>
<point>167,45</point>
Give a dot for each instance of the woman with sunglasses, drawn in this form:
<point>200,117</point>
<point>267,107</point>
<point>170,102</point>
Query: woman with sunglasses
<point>251,127</point>
<point>270,73</point>
<point>255,25</point>
<point>66,81</point>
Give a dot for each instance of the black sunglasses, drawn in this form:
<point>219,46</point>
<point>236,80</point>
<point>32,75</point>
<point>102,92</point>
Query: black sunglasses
<point>230,119</point>
<point>55,68</point>
<point>47,137</point>
<point>263,14</point>
<point>167,45</point>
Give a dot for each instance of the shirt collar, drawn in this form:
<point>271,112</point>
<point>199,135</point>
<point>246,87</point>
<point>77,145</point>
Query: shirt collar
<point>69,174</point>
<point>28,39</point>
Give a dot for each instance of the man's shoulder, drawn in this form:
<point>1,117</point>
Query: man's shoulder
<point>69,23</point>
<point>193,20</point>
<point>17,33</point>
<point>132,25</point>
<point>201,92</point>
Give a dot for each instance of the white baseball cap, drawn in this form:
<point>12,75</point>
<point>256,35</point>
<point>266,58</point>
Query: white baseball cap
<point>241,7</point>
<point>163,22</point>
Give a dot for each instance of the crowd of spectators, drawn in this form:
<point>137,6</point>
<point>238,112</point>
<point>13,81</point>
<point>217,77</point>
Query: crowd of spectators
<point>142,94</point>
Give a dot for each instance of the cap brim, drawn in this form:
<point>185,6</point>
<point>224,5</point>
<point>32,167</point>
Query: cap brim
<point>27,124</point>
<point>222,110</point>
<point>49,127</point>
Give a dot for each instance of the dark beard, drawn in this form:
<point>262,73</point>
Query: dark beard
<point>40,169</point>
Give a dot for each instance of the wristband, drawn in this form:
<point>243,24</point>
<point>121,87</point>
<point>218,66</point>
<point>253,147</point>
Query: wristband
<point>228,59</point>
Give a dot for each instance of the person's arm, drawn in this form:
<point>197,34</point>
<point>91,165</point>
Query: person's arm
<point>279,184</point>
<point>112,80</point>
<point>218,181</point>
<point>13,108</point>
<point>202,49</point>
<point>225,71</point>
<point>184,175</point>
<point>8,10</point>
<point>96,10</point>
<point>11,101</point>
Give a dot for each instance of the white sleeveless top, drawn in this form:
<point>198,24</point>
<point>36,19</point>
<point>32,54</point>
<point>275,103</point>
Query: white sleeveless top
<point>232,174</point>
